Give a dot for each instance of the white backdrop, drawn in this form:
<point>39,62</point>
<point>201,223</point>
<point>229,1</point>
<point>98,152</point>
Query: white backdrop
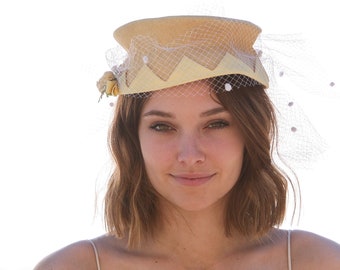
<point>53,157</point>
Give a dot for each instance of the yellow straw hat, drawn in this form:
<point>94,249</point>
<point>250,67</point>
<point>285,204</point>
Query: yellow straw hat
<point>169,51</point>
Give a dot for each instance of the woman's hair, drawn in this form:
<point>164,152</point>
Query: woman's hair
<point>255,204</point>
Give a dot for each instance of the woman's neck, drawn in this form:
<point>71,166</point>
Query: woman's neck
<point>195,236</point>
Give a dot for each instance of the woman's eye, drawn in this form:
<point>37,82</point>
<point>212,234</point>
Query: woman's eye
<point>218,124</point>
<point>161,127</point>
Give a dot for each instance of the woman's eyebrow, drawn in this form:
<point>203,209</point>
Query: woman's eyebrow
<point>213,111</point>
<point>170,115</point>
<point>158,113</point>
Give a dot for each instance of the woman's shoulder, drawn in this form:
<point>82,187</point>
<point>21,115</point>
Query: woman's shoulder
<point>78,255</point>
<point>312,251</point>
<point>85,254</point>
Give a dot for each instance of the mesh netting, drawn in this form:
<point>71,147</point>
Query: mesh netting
<point>160,57</point>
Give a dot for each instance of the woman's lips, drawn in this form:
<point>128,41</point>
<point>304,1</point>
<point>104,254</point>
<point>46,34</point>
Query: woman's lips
<point>192,179</point>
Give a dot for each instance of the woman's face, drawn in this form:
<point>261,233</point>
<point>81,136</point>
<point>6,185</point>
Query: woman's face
<point>192,149</point>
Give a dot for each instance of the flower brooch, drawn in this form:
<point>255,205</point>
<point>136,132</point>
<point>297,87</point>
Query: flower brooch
<point>108,85</point>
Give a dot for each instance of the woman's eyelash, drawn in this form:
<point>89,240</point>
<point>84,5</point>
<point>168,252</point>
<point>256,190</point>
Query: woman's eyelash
<point>218,124</point>
<point>161,127</point>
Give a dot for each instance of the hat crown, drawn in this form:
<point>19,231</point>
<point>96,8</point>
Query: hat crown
<point>168,29</point>
<point>165,51</point>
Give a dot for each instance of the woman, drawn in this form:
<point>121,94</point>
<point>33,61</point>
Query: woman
<point>195,184</point>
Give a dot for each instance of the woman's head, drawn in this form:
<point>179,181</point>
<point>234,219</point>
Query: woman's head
<point>255,200</point>
<point>178,54</point>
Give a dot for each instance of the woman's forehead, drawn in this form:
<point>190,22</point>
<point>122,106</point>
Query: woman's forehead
<point>197,96</point>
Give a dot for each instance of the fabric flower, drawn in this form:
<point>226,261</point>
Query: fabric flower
<point>108,84</point>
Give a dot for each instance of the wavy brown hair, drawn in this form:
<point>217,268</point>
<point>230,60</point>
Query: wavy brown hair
<point>256,203</point>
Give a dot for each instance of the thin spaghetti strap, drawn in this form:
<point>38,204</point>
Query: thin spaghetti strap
<point>96,254</point>
<point>289,251</point>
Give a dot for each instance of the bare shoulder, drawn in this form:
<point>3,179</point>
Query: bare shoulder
<point>79,255</point>
<point>312,251</point>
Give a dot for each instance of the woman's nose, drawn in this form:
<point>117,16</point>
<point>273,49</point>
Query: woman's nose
<point>190,150</point>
